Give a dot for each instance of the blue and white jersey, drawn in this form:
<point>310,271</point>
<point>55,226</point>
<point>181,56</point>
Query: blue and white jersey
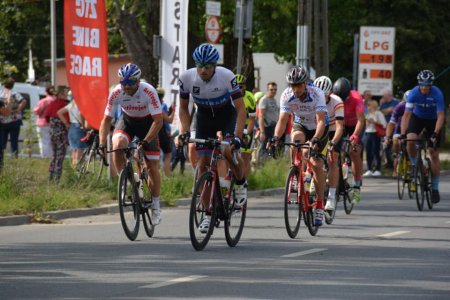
<point>305,111</point>
<point>425,106</point>
<point>213,94</point>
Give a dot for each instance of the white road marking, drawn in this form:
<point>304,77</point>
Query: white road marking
<point>393,233</point>
<point>172,281</point>
<point>301,253</point>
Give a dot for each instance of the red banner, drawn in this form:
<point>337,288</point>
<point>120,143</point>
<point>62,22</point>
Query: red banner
<point>86,47</point>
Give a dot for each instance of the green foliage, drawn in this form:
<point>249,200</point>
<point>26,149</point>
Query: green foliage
<point>272,174</point>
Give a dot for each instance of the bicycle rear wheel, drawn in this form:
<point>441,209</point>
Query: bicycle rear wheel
<point>203,190</point>
<point>128,204</point>
<point>292,208</point>
<point>419,183</point>
<point>235,220</point>
<point>428,185</point>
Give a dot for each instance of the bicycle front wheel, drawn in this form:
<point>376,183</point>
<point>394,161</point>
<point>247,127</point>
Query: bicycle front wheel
<point>234,223</point>
<point>128,204</point>
<point>204,194</point>
<point>310,215</point>
<point>419,185</point>
<point>292,208</point>
<point>401,178</point>
<point>346,197</point>
<point>428,185</point>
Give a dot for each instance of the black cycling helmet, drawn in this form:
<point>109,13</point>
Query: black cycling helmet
<point>342,87</point>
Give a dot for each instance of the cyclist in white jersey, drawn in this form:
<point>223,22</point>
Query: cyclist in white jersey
<point>307,102</point>
<point>141,117</point>
<point>220,107</point>
<point>335,109</point>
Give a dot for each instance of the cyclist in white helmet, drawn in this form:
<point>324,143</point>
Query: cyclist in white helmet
<point>335,109</point>
<point>142,117</point>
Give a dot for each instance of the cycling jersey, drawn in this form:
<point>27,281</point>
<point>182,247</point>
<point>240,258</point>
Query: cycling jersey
<point>352,106</point>
<point>335,108</point>
<point>213,94</point>
<point>425,106</point>
<point>397,115</point>
<point>143,103</point>
<point>305,111</point>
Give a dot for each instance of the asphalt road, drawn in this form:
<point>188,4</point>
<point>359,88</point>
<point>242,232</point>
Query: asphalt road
<point>385,249</point>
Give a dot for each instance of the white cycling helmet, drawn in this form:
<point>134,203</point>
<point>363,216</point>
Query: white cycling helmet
<point>324,83</point>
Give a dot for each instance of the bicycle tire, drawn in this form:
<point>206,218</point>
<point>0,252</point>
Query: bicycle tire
<point>310,216</point>
<point>428,185</point>
<point>235,221</point>
<point>292,208</point>
<point>129,208</point>
<point>146,212</point>
<point>82,163</point>
<point>198,211</point>
<point>329,214</point>
<point>348,203</point>
<point>419,180</point>
<point>401,171</point>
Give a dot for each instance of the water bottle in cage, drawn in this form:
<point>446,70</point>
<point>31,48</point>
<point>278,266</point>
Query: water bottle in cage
<point>307,180</point>
<point>425,166</point>
<point>139,184</point>
<point>345,170</point>
<point>225,183</point>
<point>350,178</point>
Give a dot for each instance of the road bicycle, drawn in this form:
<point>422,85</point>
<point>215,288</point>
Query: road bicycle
<point>91,161</point>
<point>422,181</point>
<point>404,172</point>
<point>344,189</point>
<point>134,195</point>
<point>210,200</point>
<point>298,201</point>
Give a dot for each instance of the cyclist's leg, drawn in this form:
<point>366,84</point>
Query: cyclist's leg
<point>333,173</point>
<point>435,161</point>
<point>120,139</point>
<point>298,134</point>
<point>415,126</point>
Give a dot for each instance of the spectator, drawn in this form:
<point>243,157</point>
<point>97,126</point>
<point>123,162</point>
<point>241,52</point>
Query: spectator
<point>165,140</point>
<point>15,104</point>
<point>387,105</point>
<point>268,114</point>
<point>42,125</point>
<point>58,133</point>
<point>374,116</point>
<point>75,125</point>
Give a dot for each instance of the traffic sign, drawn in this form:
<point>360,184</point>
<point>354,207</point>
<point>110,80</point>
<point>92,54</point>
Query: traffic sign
<point>376,59</point>
<point>212,29</point>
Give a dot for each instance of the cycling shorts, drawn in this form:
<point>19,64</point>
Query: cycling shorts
<point>128,128</point>
<point>338,146</point>
<point>416,125</point>
<point>323,141</point>
<point>164,141</point>
<point>208,124</point>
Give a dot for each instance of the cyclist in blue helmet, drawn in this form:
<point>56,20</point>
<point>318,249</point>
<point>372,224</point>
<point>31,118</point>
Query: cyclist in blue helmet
<point>220,107</point>
<point>425,109</point>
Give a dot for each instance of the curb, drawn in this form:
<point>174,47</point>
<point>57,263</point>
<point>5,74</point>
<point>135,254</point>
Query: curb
<point>108,209</point>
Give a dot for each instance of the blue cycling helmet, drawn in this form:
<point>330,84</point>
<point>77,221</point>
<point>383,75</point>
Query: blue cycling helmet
<point>206,54</point>
<point>129,72</point>
<point>425,77</point>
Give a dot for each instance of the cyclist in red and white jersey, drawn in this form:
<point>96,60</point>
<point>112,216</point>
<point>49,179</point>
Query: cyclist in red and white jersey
<point>354,122</point>
<point>141,117</point>
<point>335,108</point>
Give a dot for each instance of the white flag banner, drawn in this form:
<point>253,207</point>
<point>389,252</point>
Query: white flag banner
<point>174,32</point>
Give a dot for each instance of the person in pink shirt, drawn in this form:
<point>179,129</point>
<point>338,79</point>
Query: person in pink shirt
<point>42,125</point>
<point>354,122</point>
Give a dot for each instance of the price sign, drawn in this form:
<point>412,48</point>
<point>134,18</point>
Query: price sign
<point>376,59</point>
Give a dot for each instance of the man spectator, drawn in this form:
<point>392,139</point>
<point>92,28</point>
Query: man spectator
<point>387,105</point>
<point>42,125</point>
<point>268,114</point>
<point>11,123</point>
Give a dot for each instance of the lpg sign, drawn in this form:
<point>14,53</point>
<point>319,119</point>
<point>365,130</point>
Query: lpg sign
<point>376,59</point>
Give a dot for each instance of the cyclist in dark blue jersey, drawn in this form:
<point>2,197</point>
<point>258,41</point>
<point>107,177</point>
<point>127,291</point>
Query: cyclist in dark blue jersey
<point>425,109</point>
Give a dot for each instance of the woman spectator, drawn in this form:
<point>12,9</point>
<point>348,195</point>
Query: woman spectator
<point>42,125</point>
<point>58,133</point>
<point>75,127</point>
<point>374,117</point>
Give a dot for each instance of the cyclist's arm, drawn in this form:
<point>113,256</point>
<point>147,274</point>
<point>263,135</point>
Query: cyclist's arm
<point>339,130</point>
<point>439,122</point>
<point>241,116</point>
<point>105,127</point>
<point>360,124</point>
<point>390,129</point>
<point>157,124</point>
<point>281,124</point>
<point>405,121</point>
<point>250,125</point>
<point>185,117</point>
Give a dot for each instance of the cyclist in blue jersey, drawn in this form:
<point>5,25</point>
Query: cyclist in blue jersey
<point>425,109</point>
<point>220,107</point>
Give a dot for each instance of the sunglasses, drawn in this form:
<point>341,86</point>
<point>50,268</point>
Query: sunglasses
<point>128,82</point>
<point>202,65</point>
<point>273,90</point>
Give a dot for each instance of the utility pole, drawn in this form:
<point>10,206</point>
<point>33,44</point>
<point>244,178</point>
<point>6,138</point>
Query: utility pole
<point>240,36</point>
<point>302,58</point>
<point>53,40</point>
<point>321,62</point>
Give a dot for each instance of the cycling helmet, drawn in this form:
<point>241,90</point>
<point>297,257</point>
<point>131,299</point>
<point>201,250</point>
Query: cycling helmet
<point>129,72</point>
<point>425,77</point>
<point>241,79</point>
<point>324,83</point>
<point>258,96</point>
<point>206,54</point>
<point>342,87</point>
<point>297,75</point>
